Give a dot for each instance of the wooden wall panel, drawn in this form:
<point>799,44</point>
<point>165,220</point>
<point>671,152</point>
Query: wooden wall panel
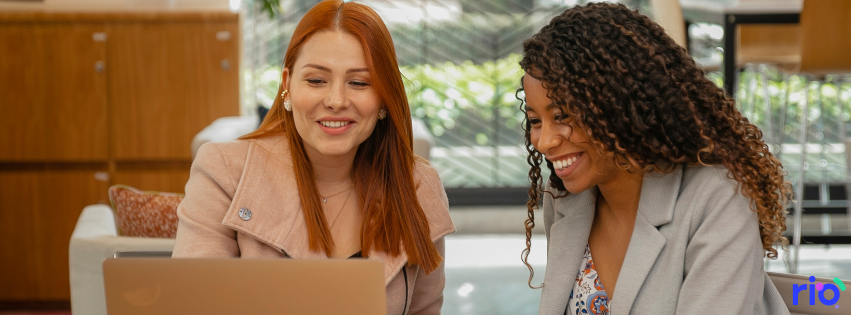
<point>217,87</point>
<point>163,97</point>
<point>164,77</point>
<point>38,212</point>
<point>54,109</point>
<point>780,43</point>
<point>22,131</point>
<point>75,95</point>
<point>64,193</point>
<point>154,180</point>
<point>19,197</point>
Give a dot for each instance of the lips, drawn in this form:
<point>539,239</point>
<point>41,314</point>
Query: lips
<point>335,125</point>
<point>565,161</point>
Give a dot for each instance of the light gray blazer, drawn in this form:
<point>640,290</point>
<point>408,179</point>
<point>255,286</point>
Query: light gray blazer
<point>695,249</point>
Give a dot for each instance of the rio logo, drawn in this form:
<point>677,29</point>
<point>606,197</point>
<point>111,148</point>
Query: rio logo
<point>836,287</point>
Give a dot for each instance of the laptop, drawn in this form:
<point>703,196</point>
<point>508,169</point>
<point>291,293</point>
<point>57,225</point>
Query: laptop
<point>243,286</point>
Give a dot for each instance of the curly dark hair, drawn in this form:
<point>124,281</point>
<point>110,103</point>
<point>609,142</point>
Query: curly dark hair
<point>644,102</point>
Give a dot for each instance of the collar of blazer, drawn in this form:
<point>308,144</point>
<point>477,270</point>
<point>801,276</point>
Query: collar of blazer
<point>572,225</point>
<point>267,186</point>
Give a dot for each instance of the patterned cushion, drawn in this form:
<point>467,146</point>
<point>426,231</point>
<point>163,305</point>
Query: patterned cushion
<point>144,213</point>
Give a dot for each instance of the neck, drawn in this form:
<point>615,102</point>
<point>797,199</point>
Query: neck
<point>331,170</point>
<point>621,194</point>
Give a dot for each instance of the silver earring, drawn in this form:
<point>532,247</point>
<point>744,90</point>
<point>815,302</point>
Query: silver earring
<point>288,105</point>
<point>382,113</point>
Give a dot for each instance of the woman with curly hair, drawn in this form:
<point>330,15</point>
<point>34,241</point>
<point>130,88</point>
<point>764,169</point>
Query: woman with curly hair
<point>662,198</point>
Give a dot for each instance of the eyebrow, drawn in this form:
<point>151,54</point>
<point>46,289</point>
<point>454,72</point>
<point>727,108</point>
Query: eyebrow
<point>549,107</point>
<point>326,69</point>
<point>357,70</point>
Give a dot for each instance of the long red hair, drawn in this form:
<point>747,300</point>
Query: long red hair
<point>384,163</point>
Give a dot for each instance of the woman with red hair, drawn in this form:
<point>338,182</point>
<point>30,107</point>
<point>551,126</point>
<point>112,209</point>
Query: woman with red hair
<point>331,172</point>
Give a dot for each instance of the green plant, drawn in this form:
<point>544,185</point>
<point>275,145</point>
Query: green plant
<point>442,94</point>
<point>271,7</point>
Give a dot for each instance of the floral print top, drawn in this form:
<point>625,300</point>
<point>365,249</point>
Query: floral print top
<point>588,296</point>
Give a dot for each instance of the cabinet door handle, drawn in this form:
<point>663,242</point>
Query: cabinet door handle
<point>102,176</point>
<point>223,36</point>
<point>100,66</point>
<point>99,37</point>
<point>225,64</point>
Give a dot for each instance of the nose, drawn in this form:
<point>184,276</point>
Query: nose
<point>337,99</point>
<point>550,138</point>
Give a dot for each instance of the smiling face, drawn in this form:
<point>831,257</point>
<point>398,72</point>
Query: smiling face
<point>574,157</point>
<point>334,105</point>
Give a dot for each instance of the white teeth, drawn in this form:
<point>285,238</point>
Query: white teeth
<point>334,124</point>
<point>561,164</point>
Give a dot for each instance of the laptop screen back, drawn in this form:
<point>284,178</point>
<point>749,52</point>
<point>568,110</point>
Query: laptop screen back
<point>243,286</point>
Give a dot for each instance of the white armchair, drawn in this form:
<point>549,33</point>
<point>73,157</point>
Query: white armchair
<point>96,238</point>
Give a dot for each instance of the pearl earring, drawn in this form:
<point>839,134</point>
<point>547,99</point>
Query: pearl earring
<point>288,105</point>
<point>382,113</point>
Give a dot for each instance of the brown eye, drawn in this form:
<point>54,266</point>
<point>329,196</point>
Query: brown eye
<point>534,121</point>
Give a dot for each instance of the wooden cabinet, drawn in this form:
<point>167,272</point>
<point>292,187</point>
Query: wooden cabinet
<point>91,100</point>
<point>180,88</point>
<point>18,197</point>
<point>53,100</point>
<point>160,176</point>
<point>39,206</point>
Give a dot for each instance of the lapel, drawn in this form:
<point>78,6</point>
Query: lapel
<point>566,247</point>
<point>268,188</point>
<point>659,194</point>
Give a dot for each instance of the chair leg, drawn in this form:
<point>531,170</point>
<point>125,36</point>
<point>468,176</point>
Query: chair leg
<point>769,125</point>
<point>747,108</point>
<point>780,134</point>
<point>799,185</point>
<point>821,136</point>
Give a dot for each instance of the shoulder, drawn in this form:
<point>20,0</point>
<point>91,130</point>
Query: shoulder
<point>713,195</point>
<point>236,153</point>
<point>432,198</point>
<point>222,162</point>
<point>425,173</point>
<point>428,185</point>
<point>228,153</point>
<point>708,181</point>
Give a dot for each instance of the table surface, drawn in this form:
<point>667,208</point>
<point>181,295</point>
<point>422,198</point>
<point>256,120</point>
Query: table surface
<point>744,6</point>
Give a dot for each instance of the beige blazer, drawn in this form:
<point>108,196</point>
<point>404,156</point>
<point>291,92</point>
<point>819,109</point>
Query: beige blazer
<point>257,174</point>
<point>695,249</point>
